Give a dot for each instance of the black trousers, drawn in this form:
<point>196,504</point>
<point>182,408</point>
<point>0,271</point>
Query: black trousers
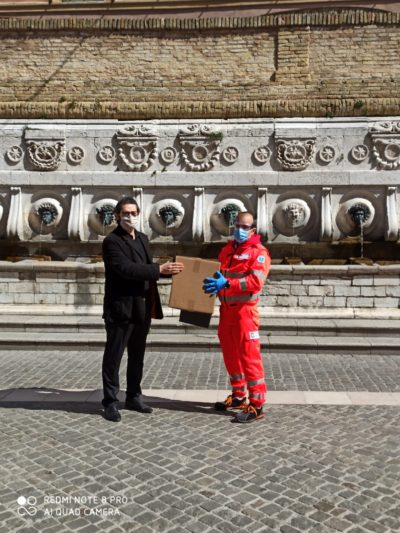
<point>119,337</point>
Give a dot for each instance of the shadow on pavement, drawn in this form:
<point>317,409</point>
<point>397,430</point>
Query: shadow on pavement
<point>88,402</point>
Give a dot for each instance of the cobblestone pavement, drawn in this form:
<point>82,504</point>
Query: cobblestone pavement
<point>81,369</point>
<point>186,468</point>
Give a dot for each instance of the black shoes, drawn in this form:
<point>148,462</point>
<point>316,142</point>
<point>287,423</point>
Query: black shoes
<point>231,402</point>
<point>111,413</point>
<point>137,404</point>
<point>250,414</point>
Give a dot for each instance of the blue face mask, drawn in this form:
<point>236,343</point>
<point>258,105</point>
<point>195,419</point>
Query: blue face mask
<point>240,235</point>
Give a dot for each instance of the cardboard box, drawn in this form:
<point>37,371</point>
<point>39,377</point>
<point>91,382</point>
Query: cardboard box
<point>186,291</point>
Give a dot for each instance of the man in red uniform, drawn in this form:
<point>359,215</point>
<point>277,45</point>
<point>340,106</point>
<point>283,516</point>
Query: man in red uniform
<point>245,265</point>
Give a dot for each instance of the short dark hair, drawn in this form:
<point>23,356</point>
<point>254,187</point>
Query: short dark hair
<point>254,224</point>
<point>124,201</point>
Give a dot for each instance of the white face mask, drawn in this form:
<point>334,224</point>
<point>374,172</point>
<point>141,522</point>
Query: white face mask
<point>129,222</point>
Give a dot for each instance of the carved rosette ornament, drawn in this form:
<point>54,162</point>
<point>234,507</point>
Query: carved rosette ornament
<point>137,147</point>
<point>76,155</point>
<point>327,153</point>
<point>230,155</point>
<point>359,152</point>
<point>295,154</point>
<point>106,154</point>
<point>262,154</point>
<point>386,144</point>
<point>168,155</point>
<point>14,154</point>
<point>45,155</point>
<point>291,216</point>
<point>45,214</point>
<point>201,147</point>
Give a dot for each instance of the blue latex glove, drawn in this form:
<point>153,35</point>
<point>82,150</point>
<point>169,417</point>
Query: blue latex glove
<point>213,285</point>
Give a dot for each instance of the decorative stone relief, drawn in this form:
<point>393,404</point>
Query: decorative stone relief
<point>168,155</point>
<point>262,154</point>
<point>295,154</point>
<point>327,153</point>
<point>262,215</point>
<point>354,213</point>
<point>386,144</point>
<point>386,153</point>
<point>76,155</point>
<point>392,230</point>
<point>166,216</point>
<point>106,154</point>
<point>101,217</point>
<point>224,215</point>
<point>75,221</point>
<point>198,214</point>
<point>45,214</point>
<point>326,214</point>
<point>291,216</point>
<point>15,154</point>
<point>15,224</point>
<point>200,147</point>
<point>230,155</point>
<point>360,152</point>
<point>137,147</point>
<point>45,155</point>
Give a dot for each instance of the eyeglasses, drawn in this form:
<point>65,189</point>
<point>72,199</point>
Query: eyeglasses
<point>129,213</point>
<point>243,226</point>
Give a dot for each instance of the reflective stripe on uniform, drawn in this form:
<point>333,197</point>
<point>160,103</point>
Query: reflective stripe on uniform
<point>259,273</point>
<point>243,285</point>
<point>238,389</point>
<point>247,298</point>
<point>235,377</point>
<point>235,275</point>
<point>256,395</point>
<point>255,382</point>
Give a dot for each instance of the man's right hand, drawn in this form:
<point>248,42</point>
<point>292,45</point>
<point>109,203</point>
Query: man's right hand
<point>170,269</point>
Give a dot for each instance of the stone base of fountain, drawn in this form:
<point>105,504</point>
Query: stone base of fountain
<point>361,261</point>
<point>330,262</point>
<point>16,258</point>
<point>292,261</point>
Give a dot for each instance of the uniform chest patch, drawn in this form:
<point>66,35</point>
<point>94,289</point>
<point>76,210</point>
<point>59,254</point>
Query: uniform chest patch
<point>254,335</point>
<point>243,256</point>
<point>261,259</point>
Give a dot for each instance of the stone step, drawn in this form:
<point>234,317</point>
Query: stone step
<point>284,326</point>
<point>207,341</point>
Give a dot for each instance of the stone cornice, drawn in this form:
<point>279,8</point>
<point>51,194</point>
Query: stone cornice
<point>202,109</point>
<point>316,17</point>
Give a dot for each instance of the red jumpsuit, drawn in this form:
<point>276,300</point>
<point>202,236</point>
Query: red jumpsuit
<point>246,266</point>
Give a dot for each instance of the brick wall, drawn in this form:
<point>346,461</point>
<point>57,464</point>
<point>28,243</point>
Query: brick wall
<point>313,287</point>
<point>314,63</point>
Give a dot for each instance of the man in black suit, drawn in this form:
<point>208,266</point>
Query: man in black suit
<point>131,300</point>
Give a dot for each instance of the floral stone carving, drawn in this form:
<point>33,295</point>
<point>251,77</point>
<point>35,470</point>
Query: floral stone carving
<point>295,154</point>
<point>76,154</point>
<point>15,154</point>
<point>201,147</point>
<point>137,147</point>
<point>386,144</point>
<point>45,155</point>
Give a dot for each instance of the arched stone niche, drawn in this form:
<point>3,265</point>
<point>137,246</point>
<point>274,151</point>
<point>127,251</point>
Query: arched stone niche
<point>45,215</point>
<point>224,213</point>
<point>294,214</point>
<point>101,217</point>
<point>166,216</point>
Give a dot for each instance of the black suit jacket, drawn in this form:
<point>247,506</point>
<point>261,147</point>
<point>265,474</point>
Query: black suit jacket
<point>128,274</point>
